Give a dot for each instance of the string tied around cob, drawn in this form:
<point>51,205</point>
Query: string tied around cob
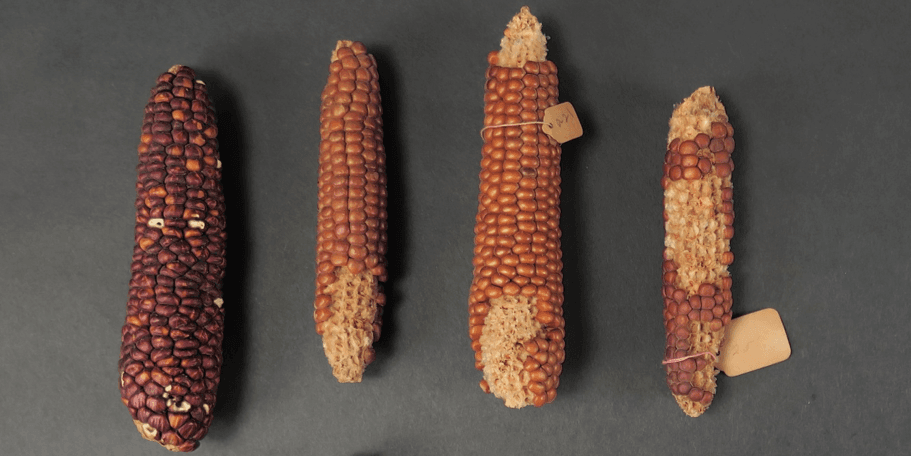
<point>695,355</point>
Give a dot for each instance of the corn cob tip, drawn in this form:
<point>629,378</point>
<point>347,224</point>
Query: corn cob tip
<point>151,434</point>
<point>148,432</point>
<point>178,68</point>
<point>509,326</point>
<point>692,409</point>
<point>522,41</point>
<point>348,335</point>
<point>695,114</point>
<point>700,396</point>
<point>356,46</point>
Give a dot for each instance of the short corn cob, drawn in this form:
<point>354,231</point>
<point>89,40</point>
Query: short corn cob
<point>351,239</point>
<point>170,356</point>
<point>516,316</point>
<point>698,218</point>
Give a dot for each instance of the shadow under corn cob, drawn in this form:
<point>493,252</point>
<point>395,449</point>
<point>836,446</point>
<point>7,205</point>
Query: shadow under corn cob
<point>516,315</point>
<point>351,233</point>
<point>171,355</point>
<point>698,221</point>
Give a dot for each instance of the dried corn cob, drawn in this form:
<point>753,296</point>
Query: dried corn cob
<point>170,356</point>
<point>698,218</point>
<point>351,239</point>
<point>516,316</point>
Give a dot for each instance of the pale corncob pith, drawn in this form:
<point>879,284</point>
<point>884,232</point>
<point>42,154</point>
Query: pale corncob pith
<point>515,306</point>
<point>171,354</point>
<point>699,216</point>
<point>351,239</point>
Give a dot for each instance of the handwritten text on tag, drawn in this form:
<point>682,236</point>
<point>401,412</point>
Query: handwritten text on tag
<point>561,122</point>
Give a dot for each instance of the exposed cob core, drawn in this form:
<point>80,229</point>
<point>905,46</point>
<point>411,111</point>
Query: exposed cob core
<point>522,41</point>
<point>699,216</point>
<point>351,239</point>
<point>171,354</point>
<point>516,322</point>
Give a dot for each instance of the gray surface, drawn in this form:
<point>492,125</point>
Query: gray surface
<point>818,95</point>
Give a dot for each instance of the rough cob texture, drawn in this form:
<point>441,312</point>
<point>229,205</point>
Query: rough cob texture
<point>351,239</point>
<point>516,316</point>
<point>170,356</point>
<point>698,219</point>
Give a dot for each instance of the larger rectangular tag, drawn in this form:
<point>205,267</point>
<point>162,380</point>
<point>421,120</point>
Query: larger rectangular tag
<point>753,341</point>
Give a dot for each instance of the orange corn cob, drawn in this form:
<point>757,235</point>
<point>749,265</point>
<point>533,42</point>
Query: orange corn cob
<point>698,219</point>
<point>351,240</point>
<point>516,316</point>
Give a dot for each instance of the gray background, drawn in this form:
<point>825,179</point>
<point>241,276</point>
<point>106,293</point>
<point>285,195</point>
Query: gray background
<point>818,93</point>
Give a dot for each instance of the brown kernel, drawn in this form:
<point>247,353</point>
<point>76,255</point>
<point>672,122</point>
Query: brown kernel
<point>691,173</point>
<point>716,324</point>
<point>716,145</point>
<point>689,161</point>
<point>707,303</point>
<point>722,157</point>
<point>688,148</point>
<point>679,295</point>
<point>493,291</point>
<point>719,130</point>
<point>511,289</point>
<point>704,165</point>
<point>718,311</point>
<point>538,375</point>
<point>542,345</point>
<point>706,289</point>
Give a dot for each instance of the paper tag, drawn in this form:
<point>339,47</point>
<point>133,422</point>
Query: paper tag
<point>561,122</point>
<point>753,341</point>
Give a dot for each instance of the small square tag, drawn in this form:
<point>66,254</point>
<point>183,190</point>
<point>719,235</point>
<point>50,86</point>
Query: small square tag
<point>561,122</point>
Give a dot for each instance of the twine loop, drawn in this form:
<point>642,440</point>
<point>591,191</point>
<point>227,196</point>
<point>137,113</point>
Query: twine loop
<point>519,124</point>
<point>684,358</point>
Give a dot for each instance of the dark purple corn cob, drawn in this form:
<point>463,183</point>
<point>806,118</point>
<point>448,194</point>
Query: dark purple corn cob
<point>170,355</point>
